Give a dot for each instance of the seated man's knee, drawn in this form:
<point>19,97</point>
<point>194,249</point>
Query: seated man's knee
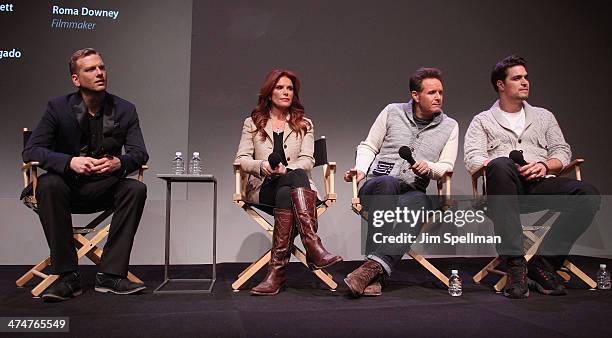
<point>586,188</point>
<point>386,185</point>
<point>135,187</point>
<point>589,195</point>
<point>51,184</point>
<point>500,163</point>
<point>500,167</point>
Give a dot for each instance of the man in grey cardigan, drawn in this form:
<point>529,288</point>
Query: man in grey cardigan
<point>431,136</point>
<point>512,124</point>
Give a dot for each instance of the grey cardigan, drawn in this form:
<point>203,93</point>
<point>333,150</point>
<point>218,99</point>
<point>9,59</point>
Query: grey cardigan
<point>489,136</point>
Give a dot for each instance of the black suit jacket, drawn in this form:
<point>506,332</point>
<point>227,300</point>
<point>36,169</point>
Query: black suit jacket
<point>57,138</point>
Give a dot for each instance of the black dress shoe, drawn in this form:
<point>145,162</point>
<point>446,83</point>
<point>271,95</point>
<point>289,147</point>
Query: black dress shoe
<point>67,286</point>
<point>116,284</point>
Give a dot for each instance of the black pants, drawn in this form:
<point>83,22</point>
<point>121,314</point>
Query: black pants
<point>576,200</point>
<point>58,197</point>
<point>276,191</point>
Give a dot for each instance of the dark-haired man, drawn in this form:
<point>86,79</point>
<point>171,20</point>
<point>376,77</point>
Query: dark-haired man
<point>431,136</point>
<point>512,124</point>
<point>79,143</point>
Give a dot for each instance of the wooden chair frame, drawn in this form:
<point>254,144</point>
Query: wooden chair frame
<point>329,170</point>
<point>85,238</point>
<point>443,185</point>
<point>534,234</point>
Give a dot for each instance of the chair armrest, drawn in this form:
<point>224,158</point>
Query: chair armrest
<point>574,165</point>
<point>355,201</point>
<point>444,181</point>
<point>29,165</point>
<point>481,172</point>
<point>141,172</point>
<point>238,175</point>
<point>329,173</point>
<point>29,173</point>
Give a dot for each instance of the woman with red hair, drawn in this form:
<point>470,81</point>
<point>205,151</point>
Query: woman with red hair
<point>277,125</point>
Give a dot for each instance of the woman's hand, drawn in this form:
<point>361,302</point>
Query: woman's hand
<point>266,169</point>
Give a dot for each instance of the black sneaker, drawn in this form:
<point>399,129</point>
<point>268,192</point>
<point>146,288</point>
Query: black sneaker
<point>544,278</point>
<point>516,286</point>
<point>67,286</point>
<point>116,284</point>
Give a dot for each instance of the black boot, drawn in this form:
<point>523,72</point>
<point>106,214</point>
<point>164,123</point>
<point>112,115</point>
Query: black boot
<point>516,286</point>
<point>545,278</point>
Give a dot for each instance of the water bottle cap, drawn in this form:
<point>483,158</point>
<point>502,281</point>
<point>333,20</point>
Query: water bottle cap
<point>454,272</point>
<point>602,266</point>
<point>196,154</point>
<point>178,153</point>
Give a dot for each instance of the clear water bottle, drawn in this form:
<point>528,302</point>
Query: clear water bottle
<point>603,278</point>
<point>195,164</point>
<point>178,164</point>
<point>454,284</point>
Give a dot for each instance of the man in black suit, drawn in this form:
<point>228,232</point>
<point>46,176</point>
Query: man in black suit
<point>79,143</point>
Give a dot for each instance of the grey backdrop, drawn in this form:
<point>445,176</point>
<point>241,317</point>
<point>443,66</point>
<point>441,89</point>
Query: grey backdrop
<point>193,92</point>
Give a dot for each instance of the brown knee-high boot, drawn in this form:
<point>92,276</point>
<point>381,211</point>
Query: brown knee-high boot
<point>304,205</point>
<point>282,239</point>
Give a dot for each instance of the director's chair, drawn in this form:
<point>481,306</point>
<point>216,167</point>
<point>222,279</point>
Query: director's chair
<point>443,185</point>
<point>254,211</point>
<point>533,234</point>
<point>86,246</point>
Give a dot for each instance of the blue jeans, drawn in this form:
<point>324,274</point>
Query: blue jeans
<point>408,198</point>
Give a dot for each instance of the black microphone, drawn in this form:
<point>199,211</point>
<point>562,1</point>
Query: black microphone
<point>420,182</point>
<point>274,159</point>
<point>109,145</point>
<point>406,154</point>
<point>517,157</point>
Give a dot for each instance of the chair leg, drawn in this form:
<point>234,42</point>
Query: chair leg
<point>501,283</point>
<point>566,276</point>
<point>485,271</point>
<point>94,253</point>
<point>323,275</point>
<point>42,286</point>
<point>28,275</point>
<point>432,269</point>
<point>580,274</point>
<point>251,270</point>
<point>89,244</point>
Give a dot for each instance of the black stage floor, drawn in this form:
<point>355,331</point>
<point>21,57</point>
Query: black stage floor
<point>412,306</point>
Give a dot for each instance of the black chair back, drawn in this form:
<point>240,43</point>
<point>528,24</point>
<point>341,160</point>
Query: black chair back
<point>320,151</point>
<point>26,136</point>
